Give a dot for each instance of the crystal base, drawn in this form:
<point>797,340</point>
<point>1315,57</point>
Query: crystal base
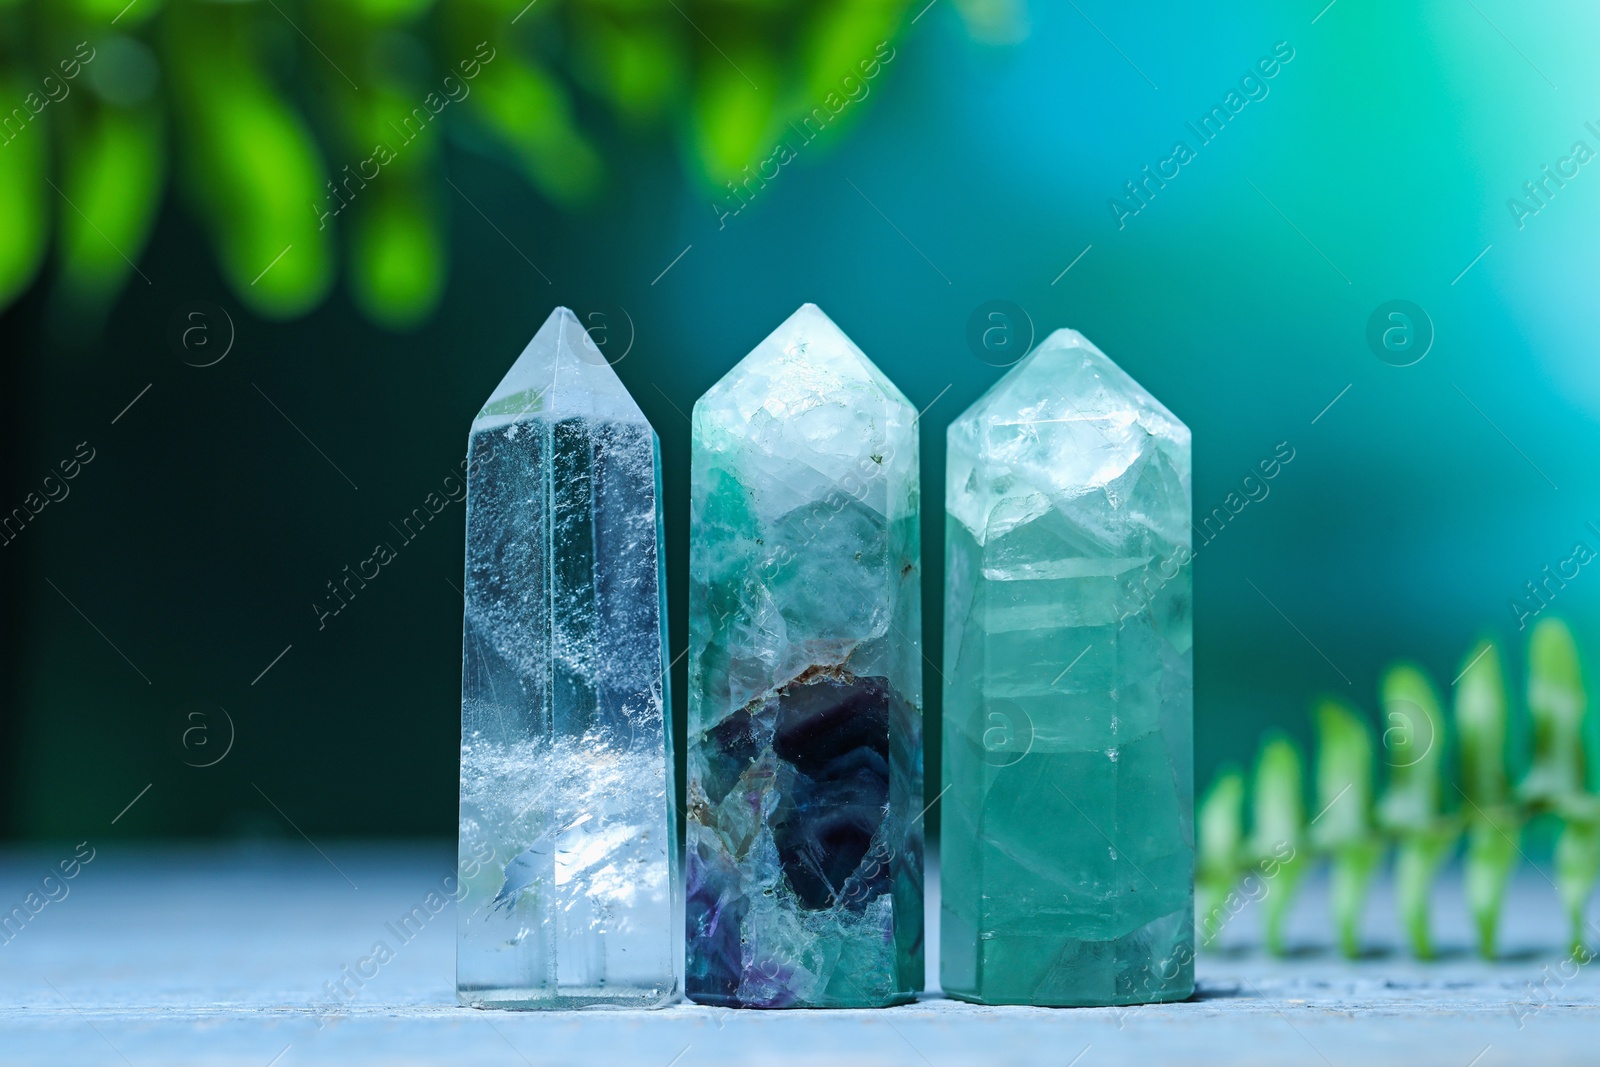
<point>574,998</point>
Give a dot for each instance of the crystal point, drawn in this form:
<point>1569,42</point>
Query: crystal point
<point>1067,862</point>
<point>804,825</point>
<point>568,890</point>
<point>560,374</point>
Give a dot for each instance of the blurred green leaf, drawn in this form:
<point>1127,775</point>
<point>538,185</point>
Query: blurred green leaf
<point>391,138</point>
<point>1491,856</point>
<point>1492,826</point>
<point>527,108</point>
<point>381,12</point>
<point>126,15</point>
<point>252,164</point>
<point>1481,723</point>
<point>112,171</point>
<point>397,259</point>
<point>1556,702</point>
<point>1577,865</point>
<point>25,195</point>
<point>1221,826</point>
<point>390,116</point>
<point>1413,745</point>
<point>1353,867</point>
<point>1344,775</point>
<point>843,36</point>
<point>1277,845</point>
<point>1343,825</point>
<point>503,11</point>
<point>1417,860</point>
<point>639,64</point>
<point>1278,809</point>
<point>1414,742</point>
<point>735,107</point>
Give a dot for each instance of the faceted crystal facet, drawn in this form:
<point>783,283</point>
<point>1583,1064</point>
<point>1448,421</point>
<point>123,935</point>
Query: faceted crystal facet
<point>1068,845</point>
<point>568,855</point>
<point>804,826</point>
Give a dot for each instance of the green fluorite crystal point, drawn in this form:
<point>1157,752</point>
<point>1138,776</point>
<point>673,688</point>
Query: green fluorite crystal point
<point>804,823</point>
<point>1067,835</point>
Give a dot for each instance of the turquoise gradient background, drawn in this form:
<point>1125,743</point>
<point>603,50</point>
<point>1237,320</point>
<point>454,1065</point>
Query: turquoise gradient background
<point>1377,167</point>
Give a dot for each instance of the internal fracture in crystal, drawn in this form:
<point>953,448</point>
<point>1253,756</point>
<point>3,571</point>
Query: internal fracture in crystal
<point>804,821</point>
<point>568,891</point>
<point>1067,832</point>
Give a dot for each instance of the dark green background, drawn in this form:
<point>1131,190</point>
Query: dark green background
<point>1376,168</point>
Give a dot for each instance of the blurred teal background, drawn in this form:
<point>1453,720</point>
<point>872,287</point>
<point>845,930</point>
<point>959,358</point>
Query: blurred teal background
<point>1377,166</point>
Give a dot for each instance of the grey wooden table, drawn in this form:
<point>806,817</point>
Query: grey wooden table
<point>268,955</point>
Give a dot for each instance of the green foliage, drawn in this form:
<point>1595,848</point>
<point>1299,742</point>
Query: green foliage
<point>1342,826</point>
<point>1221,834</point>
<point>302,134</point>
<point>1556,704</point>
<point>1556,782</point>
<point>24,207</point>
<point>733,115</point>
<point>1420,815</point>
<point>1493,824</point>
<point>1279,829</point>
<point>1410,809</point>
<point>253,168</point>
<point>111,171</point>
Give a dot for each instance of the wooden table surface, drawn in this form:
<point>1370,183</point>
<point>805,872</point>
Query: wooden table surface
<point>235,954</point>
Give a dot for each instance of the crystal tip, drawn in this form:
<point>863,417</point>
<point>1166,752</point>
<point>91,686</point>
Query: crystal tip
<point>561,373</point>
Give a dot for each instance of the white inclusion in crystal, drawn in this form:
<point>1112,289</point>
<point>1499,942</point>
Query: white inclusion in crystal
<point>568,893</point>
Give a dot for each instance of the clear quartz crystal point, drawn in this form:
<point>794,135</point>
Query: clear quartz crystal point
<point>1066,868</point>
<point>804,821</point>
<point>568,894</point>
